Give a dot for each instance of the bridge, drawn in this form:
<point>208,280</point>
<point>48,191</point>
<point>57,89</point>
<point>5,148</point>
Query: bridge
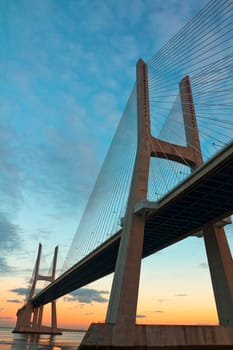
<point>138,206</point>
<point>197,201</point>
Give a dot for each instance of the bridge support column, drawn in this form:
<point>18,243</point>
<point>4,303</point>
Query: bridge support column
<point>53,315</point>
<point>221,270</point>
<point>123,300</point>
<point>217,249</point>
<point>41,310</point>
<point>35,318</point>
<point>29,318</point>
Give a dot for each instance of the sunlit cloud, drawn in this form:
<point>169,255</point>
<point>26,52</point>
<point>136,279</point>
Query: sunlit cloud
<point>158,311</point>
<point>89,314</point>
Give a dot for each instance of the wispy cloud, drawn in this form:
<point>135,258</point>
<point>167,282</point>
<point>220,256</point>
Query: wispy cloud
<point>203,265</point>
<point>161,300</point>
<point>9,240</point>
<point>89,313</point>
<point>87,296</point>
<point>23,291</point>
<point>177,14</point>
<point>11,177</point>
<point>9,234</point>
<point>4,266</point>
<point>68,68</point>
<point>140,316</point>
<point>16,301</point>
<point>158,311</point>
<point>19,291</point>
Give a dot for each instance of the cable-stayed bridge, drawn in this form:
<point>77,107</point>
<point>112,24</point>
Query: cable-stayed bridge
<point>183,212</point>
<point>167,175</point>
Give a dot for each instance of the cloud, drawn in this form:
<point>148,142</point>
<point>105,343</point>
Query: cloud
<point>87,296</point>
<point>42,234</point>
<point>5,318</point>
<point>11,177</point>
<point>161,300</point>
<point>9,234</point>
<point>158,311</point>
<point>51,99</point>
<point>19,291</point>
<point>140,316</point>
<point>23,291</point>
<point>181,295</point>
<point>17,301</point>
<point>106,105</point>
<point>177,14</point>
<point>89,313</point>
<point>4,266</point>
<point>203,265</point>
<point>9,240</point>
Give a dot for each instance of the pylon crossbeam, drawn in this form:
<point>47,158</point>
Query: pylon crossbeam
<point>177,153</point>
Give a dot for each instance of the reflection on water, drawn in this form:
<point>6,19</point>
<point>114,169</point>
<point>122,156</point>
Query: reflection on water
<point>66,341</point>
<point>33,341</point>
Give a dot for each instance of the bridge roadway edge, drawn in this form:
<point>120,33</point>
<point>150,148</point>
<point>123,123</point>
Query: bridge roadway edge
<point>162,337</point>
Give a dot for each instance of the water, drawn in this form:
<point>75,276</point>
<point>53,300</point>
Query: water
<point>13,341</point>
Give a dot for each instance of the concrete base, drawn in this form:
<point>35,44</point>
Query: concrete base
<point>160,337</point>
<point>41,330</point>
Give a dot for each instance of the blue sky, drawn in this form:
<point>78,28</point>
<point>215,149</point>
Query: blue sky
<point>67,69</point>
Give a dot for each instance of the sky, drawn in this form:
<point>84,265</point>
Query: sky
<point>67,69</point>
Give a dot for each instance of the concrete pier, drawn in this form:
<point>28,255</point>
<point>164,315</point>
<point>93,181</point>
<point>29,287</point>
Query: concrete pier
<point>162,337</point>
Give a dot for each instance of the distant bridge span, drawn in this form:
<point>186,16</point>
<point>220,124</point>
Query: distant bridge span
<point>204,197</point>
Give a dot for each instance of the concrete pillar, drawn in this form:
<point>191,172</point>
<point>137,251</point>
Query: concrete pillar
<point>221,270</point>
<point>123,300</point>
<point>190,121</point>
<point>217,249</point>
<point>40,317</point>
<point>36,272</point>
<point>27,315</point>
<point>18,319</point>
<point>35,318</point>
<point>53,315</point>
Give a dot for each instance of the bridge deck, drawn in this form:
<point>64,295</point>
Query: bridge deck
<point>204,197</point>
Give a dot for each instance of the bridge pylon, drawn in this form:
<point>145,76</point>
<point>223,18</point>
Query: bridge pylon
<point>120,329</point>
<point>217,248</point>
<point>29,318</point>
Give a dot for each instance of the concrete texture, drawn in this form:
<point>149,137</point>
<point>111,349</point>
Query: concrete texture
<point>99,336</point>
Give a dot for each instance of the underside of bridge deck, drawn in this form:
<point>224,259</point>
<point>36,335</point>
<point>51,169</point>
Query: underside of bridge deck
<point>204,197</point>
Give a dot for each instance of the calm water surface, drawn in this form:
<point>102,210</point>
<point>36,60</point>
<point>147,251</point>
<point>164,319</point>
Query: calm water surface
<point>66,341</point>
